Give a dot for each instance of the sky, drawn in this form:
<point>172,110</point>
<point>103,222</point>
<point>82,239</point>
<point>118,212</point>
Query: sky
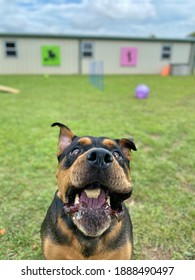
<point>132,18</point>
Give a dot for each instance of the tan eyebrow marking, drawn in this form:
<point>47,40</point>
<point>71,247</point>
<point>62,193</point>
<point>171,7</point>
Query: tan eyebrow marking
<point>85,141</point>
<point>109,143</point>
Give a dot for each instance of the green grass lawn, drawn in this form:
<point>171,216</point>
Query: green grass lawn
<point>163,127</point>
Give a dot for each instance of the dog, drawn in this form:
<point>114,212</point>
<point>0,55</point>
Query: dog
<point>87,219</point>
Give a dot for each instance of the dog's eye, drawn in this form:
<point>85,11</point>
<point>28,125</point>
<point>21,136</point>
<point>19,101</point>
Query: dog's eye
<point>117,155</point>
<point>75,152</point>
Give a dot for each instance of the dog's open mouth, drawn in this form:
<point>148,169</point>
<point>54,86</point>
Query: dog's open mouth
<point>93,207</point>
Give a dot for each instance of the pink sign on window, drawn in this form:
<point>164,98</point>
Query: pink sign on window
<point>128,56</point>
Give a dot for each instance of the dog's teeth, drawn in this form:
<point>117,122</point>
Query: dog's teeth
<point>108,200</point>
<point>76,199</point>
<point>92,193</point>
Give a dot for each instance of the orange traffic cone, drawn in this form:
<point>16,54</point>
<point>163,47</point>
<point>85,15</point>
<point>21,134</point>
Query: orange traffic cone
<point>166,70</point>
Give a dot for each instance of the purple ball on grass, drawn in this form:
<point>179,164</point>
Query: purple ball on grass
<point>142,91</point>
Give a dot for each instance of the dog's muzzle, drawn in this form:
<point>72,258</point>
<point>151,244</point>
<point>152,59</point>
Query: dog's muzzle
<point>97,192</point>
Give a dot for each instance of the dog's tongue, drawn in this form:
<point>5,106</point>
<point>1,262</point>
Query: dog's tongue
<point>91,198</point>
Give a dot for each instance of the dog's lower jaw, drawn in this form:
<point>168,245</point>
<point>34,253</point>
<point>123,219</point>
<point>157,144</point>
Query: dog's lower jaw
<point>92,224</point>
<point>91,210</point>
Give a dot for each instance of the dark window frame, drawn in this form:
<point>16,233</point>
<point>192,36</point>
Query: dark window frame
<point>87,49</point>
<point>10,47</point>
<point>166,52</point>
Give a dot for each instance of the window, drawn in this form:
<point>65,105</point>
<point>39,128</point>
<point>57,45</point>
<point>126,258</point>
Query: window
<point>10,49</point>
<point>166,52</point>
<point>87,49</point>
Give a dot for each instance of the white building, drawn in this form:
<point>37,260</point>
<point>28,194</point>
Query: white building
<point>47,54</point>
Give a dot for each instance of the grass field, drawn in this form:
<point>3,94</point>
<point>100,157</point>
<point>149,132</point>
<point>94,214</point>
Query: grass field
<point>163,127</point>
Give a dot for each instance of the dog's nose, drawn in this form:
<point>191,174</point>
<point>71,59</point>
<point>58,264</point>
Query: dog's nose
<point>100,158</point>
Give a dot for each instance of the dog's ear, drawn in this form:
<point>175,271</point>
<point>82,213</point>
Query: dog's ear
<point>126,145</point>
<point>65,137</point>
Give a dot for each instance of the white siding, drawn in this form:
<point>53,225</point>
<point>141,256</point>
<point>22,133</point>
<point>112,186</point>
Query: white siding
<point>181,53</point>
<point>149,61</point>
<point>29,58</point>
<point>149,56</point>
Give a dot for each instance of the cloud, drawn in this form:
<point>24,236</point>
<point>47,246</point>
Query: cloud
<point>175,18</point>
<point>108,13</point>
<point>124,9</point>
<point>125,17</point>
<point>85,15</point>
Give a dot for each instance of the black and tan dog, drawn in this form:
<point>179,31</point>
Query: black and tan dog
<point>87,218</point>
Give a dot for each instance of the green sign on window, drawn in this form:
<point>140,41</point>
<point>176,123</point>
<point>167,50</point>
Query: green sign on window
<point>50,55</point>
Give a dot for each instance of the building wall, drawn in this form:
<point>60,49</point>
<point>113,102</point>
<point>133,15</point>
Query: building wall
<point>149,59</point>
<point>29,56</point>
<point>181,53</point>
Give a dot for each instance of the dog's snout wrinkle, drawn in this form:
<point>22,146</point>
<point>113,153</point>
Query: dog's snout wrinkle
<point>100,158</point>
